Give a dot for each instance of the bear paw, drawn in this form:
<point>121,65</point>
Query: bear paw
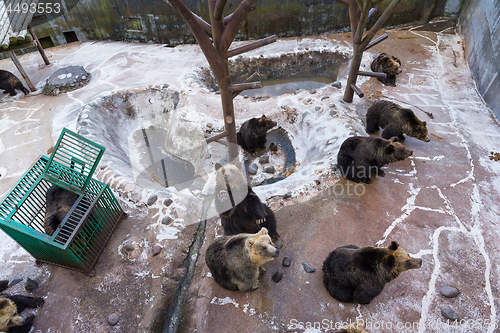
<point>367,180</point>
<point>381,172</point>
<point>260,221</point>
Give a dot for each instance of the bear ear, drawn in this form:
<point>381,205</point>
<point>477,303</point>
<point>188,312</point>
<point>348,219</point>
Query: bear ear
<point>263,231</point>
<point>395,139</point>
<point>389,149</point>
<point>4,302</point>
<point>424,123</point>
<point>394,246</point>
<point>251,242</point>
<point>238,165</point>
<point>391,261</point>
<point>218,166</point>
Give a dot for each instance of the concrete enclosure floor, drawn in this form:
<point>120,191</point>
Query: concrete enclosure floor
<point>441,204</point>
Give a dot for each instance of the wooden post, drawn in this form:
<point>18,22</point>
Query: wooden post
<point>21,70</point>
<point>38,45</point>
<point>362,9</point>
<point>223,30</point>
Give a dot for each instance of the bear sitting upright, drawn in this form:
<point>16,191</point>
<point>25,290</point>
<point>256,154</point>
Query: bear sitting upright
<point>59,201</point>
<point>239,208</point>
<point>252,133</point>
<point>358,275</point>
<point>396,121</point>
<point>9,83</point>
<point>389,65</point>
<point>359,156</point>
<point>234,261</point>
<point>10,307</point>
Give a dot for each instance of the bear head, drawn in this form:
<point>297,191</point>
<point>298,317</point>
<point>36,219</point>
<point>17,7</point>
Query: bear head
<point>396,151</point>
<point>420,132</point>
<point>231,186</point>
<point>261,247</point>
<point>266,123</point>
<point>391,64</point>
<point>8,315</point>
<point>397,260</point>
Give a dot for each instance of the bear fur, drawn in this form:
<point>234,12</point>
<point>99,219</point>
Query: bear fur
<point>10,307</point>
<point>389,65</point>
<point>235,261</point>
<point>59,201</point>
<point>359,156</point>
<point>358,275</point>
<point>239,208</point>
<point>9,83</point>
<point>252,134</point>
<point>396,121</point>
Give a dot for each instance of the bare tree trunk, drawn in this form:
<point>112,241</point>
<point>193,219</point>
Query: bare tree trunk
<point>223,30</point>
<point>361,9</point>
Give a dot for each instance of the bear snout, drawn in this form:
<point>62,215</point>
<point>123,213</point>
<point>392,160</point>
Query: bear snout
<point>414,263</point>
<point>275,253</point>
<point>427,139</point>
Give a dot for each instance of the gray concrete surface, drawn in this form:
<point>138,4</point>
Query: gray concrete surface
<point>441,205</point>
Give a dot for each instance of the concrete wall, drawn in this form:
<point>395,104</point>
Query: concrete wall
<point>156,21</point>
<point>480,27</point>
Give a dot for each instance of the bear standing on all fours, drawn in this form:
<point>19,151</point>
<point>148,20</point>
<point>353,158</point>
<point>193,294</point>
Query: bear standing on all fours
<point>358,275</point>
<point>239,208</point>
<point>9,83</point>
<point>252,134</point>
<point>234,261</point>
<point>396,121</point>
<point>59,201</point>
<point>389,65</point>
<point>359,157</point>
<point>10,307</point>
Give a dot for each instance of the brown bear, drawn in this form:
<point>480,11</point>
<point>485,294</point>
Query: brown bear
<point>10,307</point>
<point>389,65</point>
<point>235,261</point>
<point>358,275</point>
<point>239,208</point>
<point>9,83</point>
<point>59,201</point>
<point>252,133</point>
<point>359,157</point>
<point>396,121</point>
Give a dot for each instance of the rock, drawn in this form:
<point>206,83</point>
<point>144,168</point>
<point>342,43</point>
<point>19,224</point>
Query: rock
<point>66,79</point>
<point>210,125</point>
<point>313,91</point>
<point>113,319</point>
<point>277,276</point>
<point>335,167</point>
<point>448,291</point>
<point>152,199</point>
<point>84,131</point>
<point>165,86</point>
<point>353,133</point>
<point>317,182</point>
<point>156,250</point>
<point>324,98</point>
<point>318,108</point>
<point>103,166</point>
<point>273,147</point>
<point>286,262</point>
<point>269,169</point>
<point>333,113</point>
<point>30,285</point>
<point>337,84</point>
<point>309,100</point>
<point>15,280</point>
<point>166,220</point>
<point>278,244</point>
<point>168,202</point>
<point>252,169</point>
<point>308,268</point>
<point>450,314</point>
<point>264,159</point>
<point>287,195</point>
<point>129,247</point>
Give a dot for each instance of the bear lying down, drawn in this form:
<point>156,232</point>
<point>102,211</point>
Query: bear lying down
<point>235,261</point>
<point>359,157</point>
<point>396,121</point>
<point>358,275</point>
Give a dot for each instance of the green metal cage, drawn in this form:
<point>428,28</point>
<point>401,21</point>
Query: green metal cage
<point>81,236</point>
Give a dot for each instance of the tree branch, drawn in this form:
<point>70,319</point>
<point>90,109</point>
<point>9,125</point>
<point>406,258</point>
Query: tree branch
<point>207,27</point>
<point>199,33</point>
<point>233,25</point>
<point>362,22</point>
<point>219,7</point>
<point>381,20</point>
